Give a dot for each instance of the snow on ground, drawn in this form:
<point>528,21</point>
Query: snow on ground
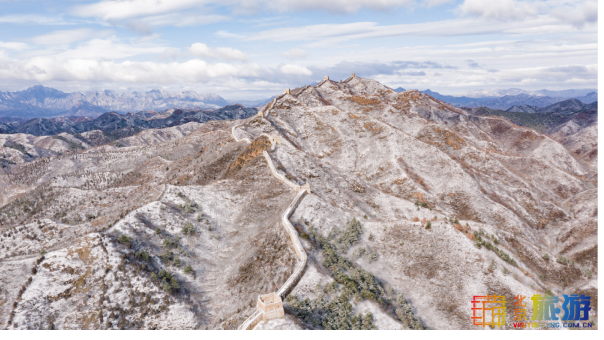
<point>381,320</point>
<point>392,160</point>
<point>287,323</point>
<point>307,285</point>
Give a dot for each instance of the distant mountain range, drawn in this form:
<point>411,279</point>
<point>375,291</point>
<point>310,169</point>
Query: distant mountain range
<point>568,106</point>
<point>11,119</point>
<point>251,102</point>
<point>123,125</point>
<point>573,93</point>
<point>505,98</point>
<point>45,102</point>
<point>492,93</point>
<point>547,119</point>
<point>40,101</point>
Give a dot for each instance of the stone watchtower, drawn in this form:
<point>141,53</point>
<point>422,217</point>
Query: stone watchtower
<point>271,306</point>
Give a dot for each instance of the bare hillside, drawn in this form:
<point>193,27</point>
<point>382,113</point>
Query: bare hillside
<point>414,207</point>
<point>398,161</point>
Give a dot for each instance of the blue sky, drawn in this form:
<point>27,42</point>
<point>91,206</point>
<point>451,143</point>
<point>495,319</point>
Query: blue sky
<point>255,48</point>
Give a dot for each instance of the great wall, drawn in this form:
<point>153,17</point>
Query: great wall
<point>274,309</point>
<point>259,314</point>
<point>266,311</point>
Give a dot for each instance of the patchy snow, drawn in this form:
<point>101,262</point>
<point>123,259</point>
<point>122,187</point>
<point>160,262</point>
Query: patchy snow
<point>394,161</point>
<point>382,320</point>
<point>287,323</point>
<point>307,285</point>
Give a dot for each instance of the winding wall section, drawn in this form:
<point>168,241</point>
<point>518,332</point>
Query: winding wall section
<point>287,287</point>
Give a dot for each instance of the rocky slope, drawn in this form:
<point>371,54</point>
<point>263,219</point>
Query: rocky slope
<point>383,152</point>
<point>416,206</point>
<point>570,122</point>
<point>198,221</point>
<point>582,141</point>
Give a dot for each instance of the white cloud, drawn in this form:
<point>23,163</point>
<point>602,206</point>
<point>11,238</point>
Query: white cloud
<point>226,53</point>
<point>577,14</point>
<point>183,19</point>
<point>556,74</point>
<point>97,61</point>
<point>69,36</point>
<point>108,50</point>
<point>502,10</point>
<point>13,45</point>
<point>138,26</point>
<point>332,6</point>
<point>33,19</point>
<point>172,54</point>
<point>536,59</point>
<point>519,64</point>
<point>435,3</point>
<point>126,9</point>
<point>529,40</point>
<point>330,33</point>
<point>528,78</point>
<point>50,69</point>
<point>141,15</point>
<point>225,34</point>
<point>145,25</point>
<point>574,12</point>
<point>295,53</point>
<point>294,70</point>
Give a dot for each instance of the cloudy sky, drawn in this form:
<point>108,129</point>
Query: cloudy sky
<point>252,49</point>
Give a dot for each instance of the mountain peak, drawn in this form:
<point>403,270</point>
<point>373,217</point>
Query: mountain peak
<point>40,91</point>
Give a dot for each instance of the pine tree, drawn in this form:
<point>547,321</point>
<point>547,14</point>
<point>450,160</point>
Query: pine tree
<point>368,321</point>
